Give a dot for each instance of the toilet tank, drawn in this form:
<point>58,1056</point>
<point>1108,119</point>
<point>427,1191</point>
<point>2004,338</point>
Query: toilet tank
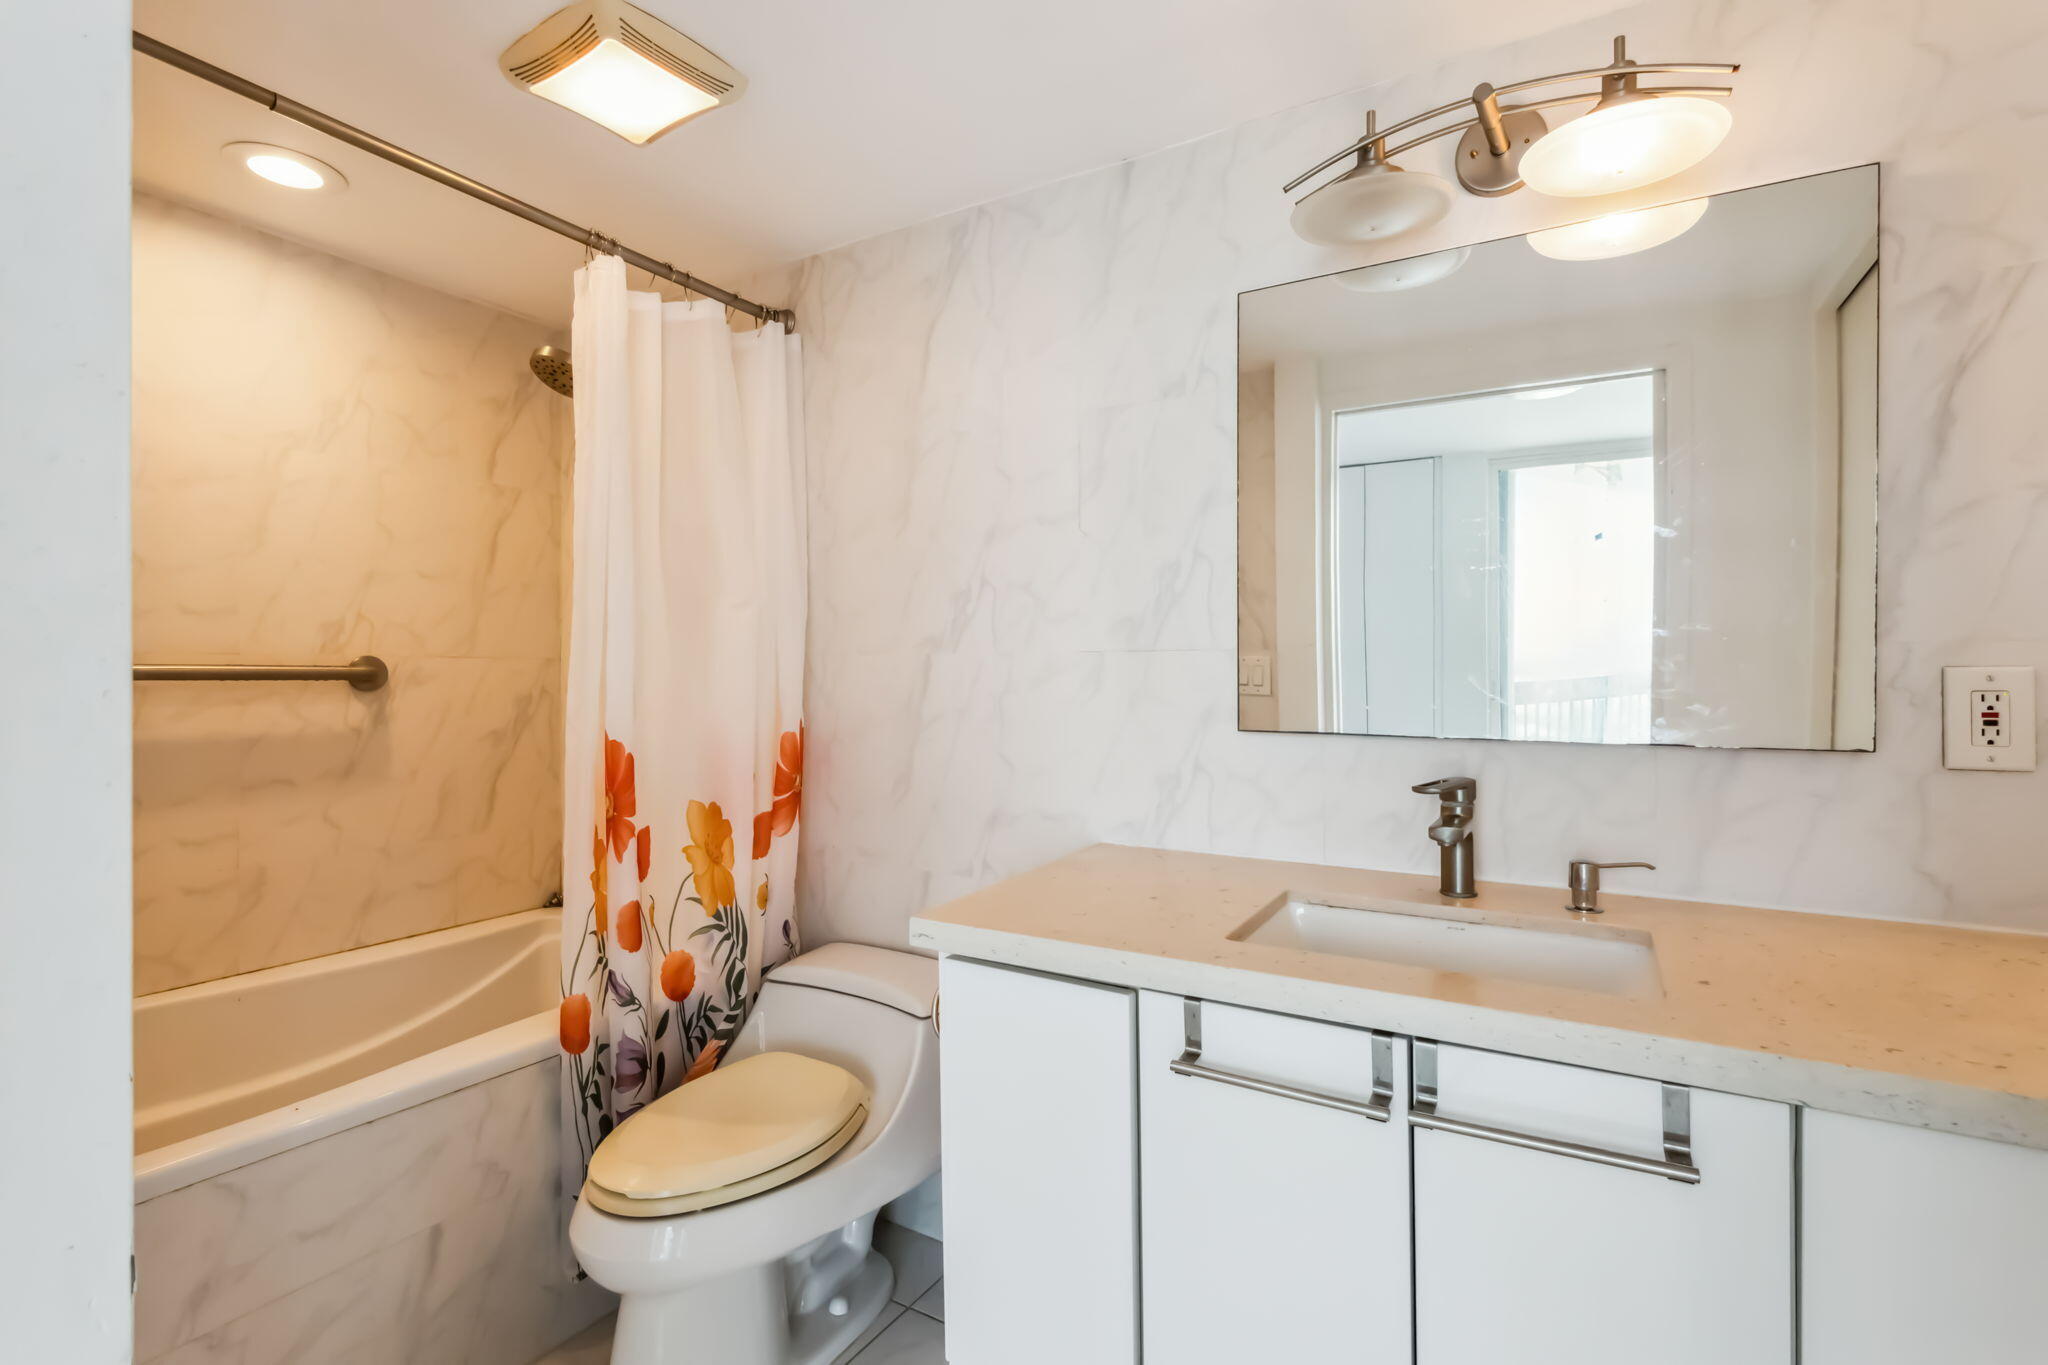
<point>866,1009</point>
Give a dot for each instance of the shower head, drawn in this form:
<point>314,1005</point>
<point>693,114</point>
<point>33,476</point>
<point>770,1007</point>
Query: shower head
<point>551,366</point>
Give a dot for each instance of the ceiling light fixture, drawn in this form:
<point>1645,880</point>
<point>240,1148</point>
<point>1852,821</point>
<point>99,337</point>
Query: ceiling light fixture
<point>283,166</point>
<point>1618,234</point>
<point>622,68</point>
<point>1390,277</point>
<point>1631,137</point>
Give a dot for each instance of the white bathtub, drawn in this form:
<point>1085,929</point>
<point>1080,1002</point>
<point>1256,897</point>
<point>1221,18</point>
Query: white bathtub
<point>357,1157</point>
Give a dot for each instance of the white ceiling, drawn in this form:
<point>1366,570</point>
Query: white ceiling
<point>1597,412</point>
<point>860,117</point>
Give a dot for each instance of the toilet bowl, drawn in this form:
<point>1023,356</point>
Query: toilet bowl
<point>786,1275</point>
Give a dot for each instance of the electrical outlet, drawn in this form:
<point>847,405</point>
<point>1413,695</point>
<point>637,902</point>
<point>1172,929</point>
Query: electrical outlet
<point>1255,675</point>
<point>1988,718</point>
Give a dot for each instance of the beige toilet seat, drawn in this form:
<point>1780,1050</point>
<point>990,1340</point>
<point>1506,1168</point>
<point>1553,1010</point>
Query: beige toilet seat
<point>744,1129</point>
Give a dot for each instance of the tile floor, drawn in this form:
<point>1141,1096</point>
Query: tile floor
<point>909,1331</point>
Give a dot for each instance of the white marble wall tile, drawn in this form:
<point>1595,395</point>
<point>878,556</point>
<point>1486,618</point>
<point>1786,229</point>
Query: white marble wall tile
<point>329,462</point>
<point>996,677</point>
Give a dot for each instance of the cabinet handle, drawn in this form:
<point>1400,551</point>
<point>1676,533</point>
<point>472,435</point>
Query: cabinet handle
<point>1380,1108</point>
<point>1676,1165</point>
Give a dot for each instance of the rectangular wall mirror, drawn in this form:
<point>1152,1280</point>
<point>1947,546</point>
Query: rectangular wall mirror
<point>1494,494</point>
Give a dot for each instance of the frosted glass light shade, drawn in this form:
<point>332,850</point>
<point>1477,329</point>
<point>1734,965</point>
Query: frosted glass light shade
<point>1371,202</point>
<point>1625,145</point>
<point>283,166</point>
<point>1390,277</point>
<point>1618,234</point>
<point>617,87</point>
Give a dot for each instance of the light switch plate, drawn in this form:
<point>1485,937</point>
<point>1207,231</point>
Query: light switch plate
<point>1988,718</point>
<point>1255,675</point>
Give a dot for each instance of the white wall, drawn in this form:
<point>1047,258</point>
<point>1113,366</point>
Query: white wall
<point>1023,455</point>
<point>65,1133</point>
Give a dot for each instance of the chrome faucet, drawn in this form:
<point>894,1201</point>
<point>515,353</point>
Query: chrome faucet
<point>1452,833</point>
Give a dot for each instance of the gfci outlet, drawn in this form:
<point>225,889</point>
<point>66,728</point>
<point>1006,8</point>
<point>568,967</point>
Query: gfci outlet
<point>1988,718</point>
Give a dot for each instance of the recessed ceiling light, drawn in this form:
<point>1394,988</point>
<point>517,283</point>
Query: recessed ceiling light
<point>1618,234</point>
<point>283,166</point>
<point>621,68</point>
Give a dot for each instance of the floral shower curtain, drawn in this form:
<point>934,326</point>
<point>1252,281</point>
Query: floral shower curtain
<point>683,750</point>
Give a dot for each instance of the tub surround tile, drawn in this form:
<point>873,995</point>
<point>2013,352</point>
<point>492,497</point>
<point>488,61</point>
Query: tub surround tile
<point>461,1189</point>
<point>330,462</point>
<point>1938,1026</point>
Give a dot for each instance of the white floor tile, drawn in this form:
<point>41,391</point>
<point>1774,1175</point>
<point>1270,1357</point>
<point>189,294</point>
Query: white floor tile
<point>913,1339</point>
<point>933,1302</point>
<point>890,1312</point>
<point>917,1258</point>
<point>591,1346</point>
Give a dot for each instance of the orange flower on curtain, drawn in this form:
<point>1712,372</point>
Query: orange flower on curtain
<point>710,855</point>
<point>619,803</point>
<point>780,817</point>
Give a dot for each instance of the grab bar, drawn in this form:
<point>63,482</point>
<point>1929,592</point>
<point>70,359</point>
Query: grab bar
<point>1676,1165</point>
<point>1379,1108</point>
<point>365,673</point>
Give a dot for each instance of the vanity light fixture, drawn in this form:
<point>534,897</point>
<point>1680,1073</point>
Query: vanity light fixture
<point>1390,277</point>
<point>283,166</point>
<point>621,68</point>
<point>1618,234</point>
<point>1632,137</point>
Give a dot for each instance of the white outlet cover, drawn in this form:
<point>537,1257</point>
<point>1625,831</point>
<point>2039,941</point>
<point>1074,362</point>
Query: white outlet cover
<point>1963,745</point>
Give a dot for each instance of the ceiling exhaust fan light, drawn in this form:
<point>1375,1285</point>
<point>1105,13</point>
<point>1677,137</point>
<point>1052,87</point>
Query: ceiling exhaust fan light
<point>1625,144</point>
<point>1618,234</point>
<point>621,68</point>
<point>1371,202</point>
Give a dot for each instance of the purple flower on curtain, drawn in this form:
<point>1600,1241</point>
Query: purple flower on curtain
<point>622,994</point>
<point>629,1065</point>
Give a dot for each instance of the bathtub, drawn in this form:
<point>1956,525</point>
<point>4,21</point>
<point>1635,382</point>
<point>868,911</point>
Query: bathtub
<point>358,1157</point>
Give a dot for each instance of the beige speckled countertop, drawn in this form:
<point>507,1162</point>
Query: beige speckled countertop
<point>1940,1027</point>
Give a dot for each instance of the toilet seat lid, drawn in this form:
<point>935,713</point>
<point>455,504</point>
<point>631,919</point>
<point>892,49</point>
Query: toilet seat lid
<point>743,1119</point>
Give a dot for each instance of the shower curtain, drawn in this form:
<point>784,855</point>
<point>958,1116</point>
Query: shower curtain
<point>684,744</point>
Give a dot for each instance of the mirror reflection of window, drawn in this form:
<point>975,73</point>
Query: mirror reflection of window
<point>1496,563</point>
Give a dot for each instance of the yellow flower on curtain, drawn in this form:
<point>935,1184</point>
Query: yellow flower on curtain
<point>710,854</point>
<point>600,881</point>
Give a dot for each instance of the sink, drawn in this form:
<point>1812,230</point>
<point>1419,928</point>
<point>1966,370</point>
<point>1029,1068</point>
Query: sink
<point>1583,957</point>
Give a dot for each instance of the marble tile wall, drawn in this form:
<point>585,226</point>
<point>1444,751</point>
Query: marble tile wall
<point>1021,426</point>
<point>330,462</point>
<point>434,1236</point>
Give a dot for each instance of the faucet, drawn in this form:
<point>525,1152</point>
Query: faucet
<point>1452,832</point>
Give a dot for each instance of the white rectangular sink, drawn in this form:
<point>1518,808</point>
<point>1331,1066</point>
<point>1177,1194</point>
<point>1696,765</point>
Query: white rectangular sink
<point>1583,957</point>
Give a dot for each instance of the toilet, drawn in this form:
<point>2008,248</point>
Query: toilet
<point>734,1216</point>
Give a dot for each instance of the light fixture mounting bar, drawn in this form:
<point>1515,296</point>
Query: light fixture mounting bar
<point>1489,114</point>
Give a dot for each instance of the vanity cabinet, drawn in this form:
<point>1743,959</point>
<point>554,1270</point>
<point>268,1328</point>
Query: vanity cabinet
<point>1920,1246</point>
<point>1275,1170</point>
<point>1548,1229</point>
<point>1038,1115</point>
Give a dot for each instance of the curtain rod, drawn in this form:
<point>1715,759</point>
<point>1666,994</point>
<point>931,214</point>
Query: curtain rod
<point>419,165</point>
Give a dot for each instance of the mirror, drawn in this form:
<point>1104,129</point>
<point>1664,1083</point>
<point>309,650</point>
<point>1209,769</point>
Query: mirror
<point>1500,492</point>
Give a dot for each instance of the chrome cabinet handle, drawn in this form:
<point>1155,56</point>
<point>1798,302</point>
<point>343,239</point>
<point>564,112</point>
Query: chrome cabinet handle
<point>1380,1108</point>
<point>1677,1163</point>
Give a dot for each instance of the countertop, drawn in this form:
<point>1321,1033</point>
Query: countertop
<point>1926,1024</point>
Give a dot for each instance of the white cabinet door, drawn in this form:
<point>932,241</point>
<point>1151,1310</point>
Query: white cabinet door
<point>1038,1116</point>
<point>1275,1227</point>
<point>1542,1258</point>
<point>1921,1247</point>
